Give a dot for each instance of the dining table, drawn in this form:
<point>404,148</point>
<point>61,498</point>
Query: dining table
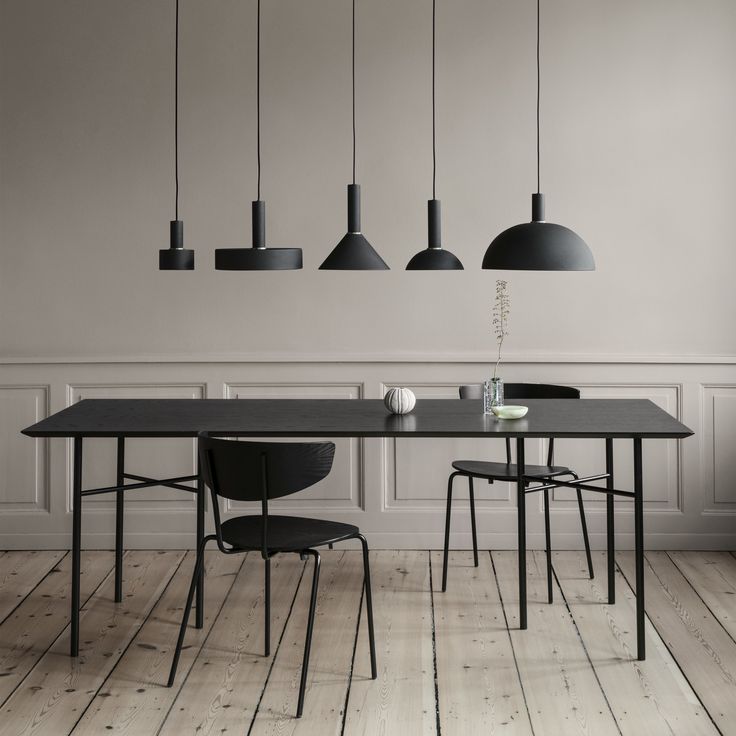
<point>609,420</point>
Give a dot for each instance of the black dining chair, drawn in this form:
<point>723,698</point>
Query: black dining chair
<point>493,471</point>
<point>262,471</point>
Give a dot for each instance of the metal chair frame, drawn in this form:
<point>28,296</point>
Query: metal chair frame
<point>519,391</point>
<point>209,471</point>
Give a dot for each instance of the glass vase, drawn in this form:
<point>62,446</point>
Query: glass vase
<point>492,394</point>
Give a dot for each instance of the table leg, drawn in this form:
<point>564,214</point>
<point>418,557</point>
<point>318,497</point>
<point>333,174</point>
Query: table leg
<point>611,546</point>
<point>639,541</point>
<point>119,509</point>
<point>199,619</point>
<point>521,519</point>
<point>76,544</point>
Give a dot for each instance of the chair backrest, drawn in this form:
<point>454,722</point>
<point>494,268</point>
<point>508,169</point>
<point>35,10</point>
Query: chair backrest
<point>258,471</point>
<point>523,391</point>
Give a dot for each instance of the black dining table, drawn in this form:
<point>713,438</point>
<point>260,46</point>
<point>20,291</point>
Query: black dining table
<point>606,419</point>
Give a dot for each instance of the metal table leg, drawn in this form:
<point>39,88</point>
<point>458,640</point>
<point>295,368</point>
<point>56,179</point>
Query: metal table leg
<point>199,618</point>
<point>611,553</point>
<point>119,510</point>
<point>76,544</point>
<point>521,518</point>
<point>639,541</point>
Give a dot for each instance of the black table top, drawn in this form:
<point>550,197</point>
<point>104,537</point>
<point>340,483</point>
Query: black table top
<point>355,418</point>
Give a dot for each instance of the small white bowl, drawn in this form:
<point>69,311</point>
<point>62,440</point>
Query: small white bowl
<point>509,411</point>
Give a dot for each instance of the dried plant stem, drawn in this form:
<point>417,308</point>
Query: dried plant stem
<point>501,311</point>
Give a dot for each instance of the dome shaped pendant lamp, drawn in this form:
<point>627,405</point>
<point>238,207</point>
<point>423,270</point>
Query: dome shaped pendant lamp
<point>258,257</point>
<point>538,245</point>
<point>175,257</point>
<point>433,257</point>
<point>354,252</point>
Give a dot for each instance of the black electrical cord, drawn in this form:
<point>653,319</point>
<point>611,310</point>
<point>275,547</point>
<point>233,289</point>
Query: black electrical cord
<point>176,111</point>
<point>353,91</point>
<point>258,95</point>
<point>538,95</point>
<point>434,114</point>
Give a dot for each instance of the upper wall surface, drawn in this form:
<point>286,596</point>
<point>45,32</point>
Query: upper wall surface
<point>638,113</point>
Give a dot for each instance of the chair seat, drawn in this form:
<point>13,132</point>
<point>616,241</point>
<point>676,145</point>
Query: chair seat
<point>285,533</point>
<point>504,471</point>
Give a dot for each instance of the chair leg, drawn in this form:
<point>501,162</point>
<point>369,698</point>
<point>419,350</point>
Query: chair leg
<point>310,627</point>
<point>267,596</point>
<point>472,521</point>
<point>586,541</point>
<point>198,567</point>
<point>369,605</point>
<point>447,530</point>
<point>548,545</point>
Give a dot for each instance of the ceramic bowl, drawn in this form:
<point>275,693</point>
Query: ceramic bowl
<point>509,411</point>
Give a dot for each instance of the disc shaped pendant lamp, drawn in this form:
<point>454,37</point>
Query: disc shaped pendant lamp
<point>538,245</point>
<point>354,252</point>
<point>258,257</point>
<point>176,257</point>
<point>434,257</point>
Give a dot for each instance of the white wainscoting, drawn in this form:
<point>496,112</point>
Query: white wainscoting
<point>393,489</point>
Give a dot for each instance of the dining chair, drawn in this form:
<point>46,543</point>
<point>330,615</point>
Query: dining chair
<point>495,471</point>
<point>262,471</point>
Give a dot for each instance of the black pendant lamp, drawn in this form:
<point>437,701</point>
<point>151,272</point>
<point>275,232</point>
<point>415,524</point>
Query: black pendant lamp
<point>258,257</point>
<point>175,257</point>
<point>354,252</point>
<point>434,257</point>
<point>538,245</point>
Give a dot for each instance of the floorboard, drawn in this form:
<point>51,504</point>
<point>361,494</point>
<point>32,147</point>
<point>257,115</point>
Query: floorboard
<point>55,694</point>
<point>703,649</point>
<point>713,577</point>
<point>132,700</point>
<point>652,696</point>
<point>36,623</point>
<point>402,700</point>
<point>479,689</point>
<point>562,690</point>
<point>338,605</point>
<point>449,664</point>
<point>222,690</point>
<point>20,573</point>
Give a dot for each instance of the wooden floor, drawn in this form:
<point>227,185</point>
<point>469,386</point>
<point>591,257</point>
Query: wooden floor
<point>450,663</point>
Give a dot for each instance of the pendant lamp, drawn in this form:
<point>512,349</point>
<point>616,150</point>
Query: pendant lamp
<point>433,257</point>
<point>258,257</point>
<point>175,257</point>
<point>354,252</point>
<point>538,245</point>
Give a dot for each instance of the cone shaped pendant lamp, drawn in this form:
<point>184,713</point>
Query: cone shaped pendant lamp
<point>538,245</point>
<point>354,252</point>
<point>434,257</point>
<point>258,257</point>
<point>175,257</point>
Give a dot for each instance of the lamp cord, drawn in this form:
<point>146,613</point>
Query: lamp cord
<point>538,96</point>
<point>258,96</point>
<point>434,122</point>
<point>353,91</point>
<point>176,112</point>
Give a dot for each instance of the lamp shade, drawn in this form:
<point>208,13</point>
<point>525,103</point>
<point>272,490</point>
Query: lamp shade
<point>258,258</point>
<point>176,257</point>
<point>354,252</point>
<point>434,257</point>
<point>539,246</point>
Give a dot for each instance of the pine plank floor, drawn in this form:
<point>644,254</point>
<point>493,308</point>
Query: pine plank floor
<point>450,664</point>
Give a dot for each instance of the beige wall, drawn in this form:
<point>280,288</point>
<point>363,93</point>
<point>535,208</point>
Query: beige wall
<point>638,156</point>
